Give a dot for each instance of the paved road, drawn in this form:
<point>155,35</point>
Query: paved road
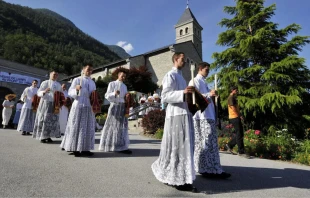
<point>31,169</point>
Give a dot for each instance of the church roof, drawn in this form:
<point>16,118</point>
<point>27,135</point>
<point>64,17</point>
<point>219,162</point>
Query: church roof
<point>187,16</point>
<point>123,61</point>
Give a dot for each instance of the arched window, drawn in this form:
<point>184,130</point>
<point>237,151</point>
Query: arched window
<point>186,30</point>
<point>181,32</point>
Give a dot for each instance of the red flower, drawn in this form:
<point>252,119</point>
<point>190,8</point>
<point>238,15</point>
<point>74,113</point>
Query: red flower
<point>229,126</point>
<point>257,132</point>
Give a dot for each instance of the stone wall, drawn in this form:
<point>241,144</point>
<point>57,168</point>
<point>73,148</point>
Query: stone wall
<point>159,65</point>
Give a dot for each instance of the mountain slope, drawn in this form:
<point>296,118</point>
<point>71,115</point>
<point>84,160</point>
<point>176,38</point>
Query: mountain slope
<point>55,15</point>
<point>45,39</point>
<point>119,51</point>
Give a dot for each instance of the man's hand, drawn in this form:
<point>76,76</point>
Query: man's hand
<point>117,92</point>
<point>213,93</point>
<point>189,89</point>
<point>78,87</point>
<point>47,90</point>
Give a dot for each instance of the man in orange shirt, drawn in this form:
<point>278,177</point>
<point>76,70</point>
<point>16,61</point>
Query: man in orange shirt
<point>235,119</point>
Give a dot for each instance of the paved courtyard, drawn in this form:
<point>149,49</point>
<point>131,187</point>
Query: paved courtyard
<point>29,168</point>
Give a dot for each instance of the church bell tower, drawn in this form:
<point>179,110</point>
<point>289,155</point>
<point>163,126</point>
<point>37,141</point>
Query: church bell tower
<point>188,29</point>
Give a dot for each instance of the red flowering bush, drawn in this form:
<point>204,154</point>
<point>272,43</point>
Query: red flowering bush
<point>153,121</point>
<point>225,135</point>
<point>252,141</point>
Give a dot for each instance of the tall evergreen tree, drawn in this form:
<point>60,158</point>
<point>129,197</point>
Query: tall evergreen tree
<point>262,60</point>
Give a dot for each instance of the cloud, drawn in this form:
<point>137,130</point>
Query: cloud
<point>125,45</point>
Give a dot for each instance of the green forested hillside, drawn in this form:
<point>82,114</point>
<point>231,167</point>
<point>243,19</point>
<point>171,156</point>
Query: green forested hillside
<point>45,39</point>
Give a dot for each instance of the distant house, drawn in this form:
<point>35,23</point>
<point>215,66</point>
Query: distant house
<point>15,77</point>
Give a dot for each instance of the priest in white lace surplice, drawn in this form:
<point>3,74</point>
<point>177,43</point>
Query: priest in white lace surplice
<point>206,154</point>
<point>175,165</point>
<point>46,124</point>
<point>80,131</point>
<point>64,112</point>
<point>27,116</point>
<point>115,131</point>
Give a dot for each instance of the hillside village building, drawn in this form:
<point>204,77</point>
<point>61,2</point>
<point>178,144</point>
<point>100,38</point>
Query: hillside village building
<point>15,77</point>
<point>159,61</point>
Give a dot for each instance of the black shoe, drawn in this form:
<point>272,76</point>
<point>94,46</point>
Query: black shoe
<point>77,154</point>
<point>23,133</point>
<point>126,151</point>
<point>87,153</point>
<point>43,140</point>
<point>28,133</point>
<point>229,150</point>
<point>223,175</point>
<point>187,187</point>
<point>244,155</point>
<point>49,140</point>
<point>62,149</point>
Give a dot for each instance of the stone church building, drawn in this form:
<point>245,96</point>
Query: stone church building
<point>159,61</point>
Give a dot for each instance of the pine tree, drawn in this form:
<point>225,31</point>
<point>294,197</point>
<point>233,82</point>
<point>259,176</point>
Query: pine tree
<point>262,61</point>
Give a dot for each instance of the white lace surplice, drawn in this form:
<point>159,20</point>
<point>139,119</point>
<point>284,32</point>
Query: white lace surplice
<point>27,116</point>
<point>80,130</point>
<point>63,115</point>
<point>206,155</point>
<point>175,165</point>
<point>114,135</point>
<point>46,124</point>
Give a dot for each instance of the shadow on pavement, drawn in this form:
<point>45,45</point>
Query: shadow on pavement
<point>145,141</point>
<point>249,178</point>
<point>135,153</point>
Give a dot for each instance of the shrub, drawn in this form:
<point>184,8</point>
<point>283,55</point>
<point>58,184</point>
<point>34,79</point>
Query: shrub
<point>279,145</point>
<point>153,121</point>
<point>252,141</point>
<point>303,153</point>
<point>102,116</point>
<point>159,134</point>
<point>222,141</point>
<point>227,130</point>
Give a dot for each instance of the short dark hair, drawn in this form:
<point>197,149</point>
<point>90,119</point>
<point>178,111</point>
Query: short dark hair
<point>53,70</point>
<point>88,64</point>
<point>35,81</point>
<point>203,65</point>
<point>176,55</point>
<point>233,88</point>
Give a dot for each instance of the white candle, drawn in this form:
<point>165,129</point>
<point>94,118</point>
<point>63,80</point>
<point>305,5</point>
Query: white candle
<point>81,82</point>
<point>192,74</point>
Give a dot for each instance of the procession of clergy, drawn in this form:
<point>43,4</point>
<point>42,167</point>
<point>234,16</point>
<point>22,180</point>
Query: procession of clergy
<point>189,143</point>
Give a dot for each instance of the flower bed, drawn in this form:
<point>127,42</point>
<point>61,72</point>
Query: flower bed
<point>279,145</point>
